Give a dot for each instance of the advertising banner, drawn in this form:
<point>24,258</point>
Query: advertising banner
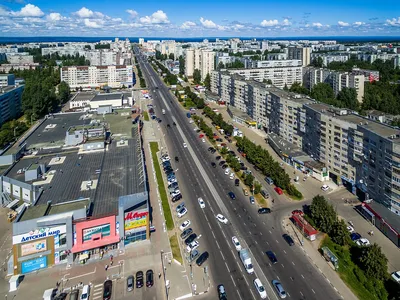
<point>39,234</point>
<point>34,264</point>
<point>135,220</point>
<point>104,230</point>
<point>33,247</point>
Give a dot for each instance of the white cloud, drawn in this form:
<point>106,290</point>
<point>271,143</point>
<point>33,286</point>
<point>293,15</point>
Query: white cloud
<point>132,12</point>
<point>91,24</point>
<point>159,17</point>
<point>222,28</point>
<point>358,23</point>
<point>3,11</point>
<point>187,25</point>
<point>239,26</point>
<point>84,13</point>
<point>394,21</point>
<point>343,24</point>
<point>286,22</point>
<point>207,23</point>
<point>28,10</point>
<point>53,17</point>
<point>269,23</point>
<point>32,20</point>
<point>319,25</point>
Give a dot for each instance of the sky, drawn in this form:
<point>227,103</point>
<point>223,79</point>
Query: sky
<point>203,18</point>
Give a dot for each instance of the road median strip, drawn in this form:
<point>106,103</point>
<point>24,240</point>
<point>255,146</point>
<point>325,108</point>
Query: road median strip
<point>161,187</point>
<point>176,251</point>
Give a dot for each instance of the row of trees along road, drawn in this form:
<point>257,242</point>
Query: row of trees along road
<point>261,158</point>
<point>142,82</point>
<point>169,78</point>
<point>218,120</point>
<point>365,267</point>
<point>198,101</point>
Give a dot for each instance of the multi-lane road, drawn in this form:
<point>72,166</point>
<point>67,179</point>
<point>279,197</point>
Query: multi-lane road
<point>258,233</point>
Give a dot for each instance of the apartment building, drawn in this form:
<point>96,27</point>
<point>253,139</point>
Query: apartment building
<point>300,53</point>
<point>7,79</point>
<point>280,73</point>
<point>14,58</point>
<point>89,77</point>
<point>336,79</point>
<point>10,102</point>
<point>328,58</point>
<point>102,57</point>
<point>201,59</point>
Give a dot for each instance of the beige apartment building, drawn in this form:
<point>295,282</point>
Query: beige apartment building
<point>201,59</point>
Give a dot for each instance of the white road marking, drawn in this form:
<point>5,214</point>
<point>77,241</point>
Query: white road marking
<point>227,267</point>
<point>313,291</point>
<point>302,276</point>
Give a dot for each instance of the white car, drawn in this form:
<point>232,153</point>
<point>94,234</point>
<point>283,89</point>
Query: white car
<point>350,229</point>
<point>184,145</point>
<point>193,245</point>
<point>396,276</point>
<point>182,212</point>
<point>325,187</point>
<point>203,140</point>
<point>185,225</point>
<point>171,181</point>
<point>260,288</point>
<point>363,242</point>
<point>175,193</point>
<point>232,176</point>
<point>201,202</point>
<point>222,219</point>
<point>235,241</point>
<point>165,158</point>
<point>190,121</point>
<point>227,171</point>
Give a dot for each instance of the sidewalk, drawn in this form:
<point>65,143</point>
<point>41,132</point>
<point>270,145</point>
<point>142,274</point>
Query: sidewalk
<point>310,249</point>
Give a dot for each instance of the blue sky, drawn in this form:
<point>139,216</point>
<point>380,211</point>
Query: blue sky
<point>199,18</point>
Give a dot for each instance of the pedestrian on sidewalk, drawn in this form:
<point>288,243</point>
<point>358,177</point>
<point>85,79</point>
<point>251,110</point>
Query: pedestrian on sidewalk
<point>106,267</point>
<point>159,275</point>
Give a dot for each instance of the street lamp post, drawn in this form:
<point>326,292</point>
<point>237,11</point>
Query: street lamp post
<point>15,129</point>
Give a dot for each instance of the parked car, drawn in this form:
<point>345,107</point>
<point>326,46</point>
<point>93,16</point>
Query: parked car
<point>190,239</point>
<point>193,245</point>
<point>85,292</point>
<point>107,290</point>
<point>180,206</point>
<point>202,258</point>
<point>363,242</point>
<point>213,164</point>
<point>325,187</point>
<point>186,233</point>
<point>221,163</point>
<point>278,190</point>
<point>264,194</point>
<point>260,288</point>
<point>130,283</point>
<point>237,182</point>
<point>193,255</point>
<point>252,200</point>
<point>279,289</point>
<point>74,295</point>
<point>176,198</point>
<point>272,257</point>
<point>221,292</point>
<point>149,278</point>
<point>396,276</point>
<point>355,236</point>
<point>236,243</point>
<point>288,239</point>
<point>182,212</point>
<point>264,210</point>
<point>218,157</point>
<point>185,225</point>
<point>139,279</point>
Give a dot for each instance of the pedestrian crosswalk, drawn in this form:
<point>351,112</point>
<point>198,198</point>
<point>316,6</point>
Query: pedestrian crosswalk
<point>97,291</point>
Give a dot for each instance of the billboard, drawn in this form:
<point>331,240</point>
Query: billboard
<point>34,264</point>
<point>33,247</point>
<point>39,233</point>
<point>135,220</point>
<point>104,230</point>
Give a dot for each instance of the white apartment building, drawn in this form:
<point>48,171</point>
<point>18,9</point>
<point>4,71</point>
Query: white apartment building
<point>14,58</point>
<point>328,58</point>
<point>102,57</point>
<point>89,77</point>
<point>201,59</point>
<point>67,50</point>
<point>301,53</point>
<point>280,73</point>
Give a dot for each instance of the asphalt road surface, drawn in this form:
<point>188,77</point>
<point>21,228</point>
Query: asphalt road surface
<point>258,233</point>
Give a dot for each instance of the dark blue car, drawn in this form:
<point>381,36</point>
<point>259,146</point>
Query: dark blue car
<point>355,236</point>
<point>232,195</point>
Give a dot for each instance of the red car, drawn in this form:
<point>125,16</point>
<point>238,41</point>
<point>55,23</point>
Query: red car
<point>278,190</point>
<point>201,136</point>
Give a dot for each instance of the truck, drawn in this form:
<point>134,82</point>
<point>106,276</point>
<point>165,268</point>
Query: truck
<point>163,111</point>
<point>246,260</point>
<point>188,115</point>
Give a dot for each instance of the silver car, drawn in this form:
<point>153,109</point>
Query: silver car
<point>279,289</point>
<point>195,253</point>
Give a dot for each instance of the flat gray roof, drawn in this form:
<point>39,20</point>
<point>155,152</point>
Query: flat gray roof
<point>9,88</point>
<point>288,148</point>
<point>387,215</point>
<point>81,96</point>
<point>107,96</point>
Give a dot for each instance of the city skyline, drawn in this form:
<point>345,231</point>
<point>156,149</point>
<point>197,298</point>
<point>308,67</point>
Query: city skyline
<point>209,19</point>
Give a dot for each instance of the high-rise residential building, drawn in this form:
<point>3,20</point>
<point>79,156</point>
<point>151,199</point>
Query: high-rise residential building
<point>141,41</point>
<point>89,77</point>
<point>279,72</point>
<point>201,59</point>
<point>10,102</point>
<point>301,53</point>
<point>336,79</point>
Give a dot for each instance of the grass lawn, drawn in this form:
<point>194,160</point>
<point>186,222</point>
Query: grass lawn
<point>176,251</point>
<point>146,116</point>
<point>349,272</point>
<point>260,200</point>
<point>161,188</point>
<point>293,197</point>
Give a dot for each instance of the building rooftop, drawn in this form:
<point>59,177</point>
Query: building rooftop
<point>9,88</point>
<point>107,96</point>
<point>288,148</point>
<point>391,218</point>
<point>33,212</point>
<point>84,96</point>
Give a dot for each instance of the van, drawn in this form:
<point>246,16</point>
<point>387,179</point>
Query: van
<point>85,292</point>
<point>269,180</point>
<point>245,192</point>
<point>74,295</point>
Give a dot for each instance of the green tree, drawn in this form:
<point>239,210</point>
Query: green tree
<point>322,92</point>
<point>267,81</point>
<point>171,56</point>
<point>317,62</point>
<point>374,262</point>
<point>299,89</point>
<point>196,76</point>
<point>223,151</point>
<point>181,65</point>
<point>220,65</point>
<point>249,180</point>
<point>257,188</point>
<point>323,214</point>
<point>63,92</point>
<point>339,233</point>
<point>207,82</point>
<point>348,97</point>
